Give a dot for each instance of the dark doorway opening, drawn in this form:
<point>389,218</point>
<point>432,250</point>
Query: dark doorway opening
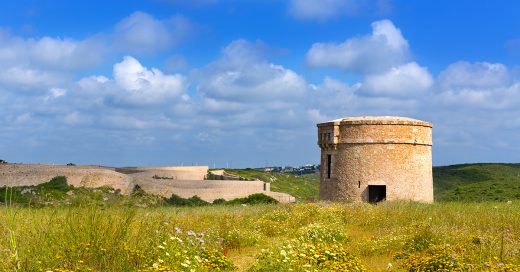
<point>329,164</point>
<point>376,193</point>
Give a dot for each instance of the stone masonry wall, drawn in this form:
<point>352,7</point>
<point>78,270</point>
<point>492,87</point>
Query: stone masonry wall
<point>389,152</point>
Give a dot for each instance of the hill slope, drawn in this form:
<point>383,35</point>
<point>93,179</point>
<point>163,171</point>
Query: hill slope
<point>477,182</point>
<point>302,187</point>
<point>463,182</point>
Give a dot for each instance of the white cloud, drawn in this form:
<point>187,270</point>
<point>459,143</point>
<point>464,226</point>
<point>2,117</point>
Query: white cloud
<point>478,85</point>
<point>36,65</point>
<point>142,33</point>
<point>405,80</point>
<point>384,48</point>
<point>29,79</point>
<point>334,99</point>
<point>136,84</point>
<point>479,75</point>
<point>50,53</point>
<point>54,93</point>
<point>326,9</point>
<point>242,75</point>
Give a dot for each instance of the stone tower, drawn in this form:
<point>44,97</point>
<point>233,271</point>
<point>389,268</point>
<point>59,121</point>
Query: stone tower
<point>376,158</point>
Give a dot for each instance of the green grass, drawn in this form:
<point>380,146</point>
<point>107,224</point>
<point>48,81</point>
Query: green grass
<point>260,238</point>
<point>80,229</point>
<point>302,187</point>
<point>477,182</point>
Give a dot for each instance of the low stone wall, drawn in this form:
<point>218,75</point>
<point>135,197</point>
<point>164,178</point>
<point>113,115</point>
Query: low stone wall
<point>87,176</point>
<point>209,190</point>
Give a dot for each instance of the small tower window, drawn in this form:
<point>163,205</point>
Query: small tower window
<point>329,164</point>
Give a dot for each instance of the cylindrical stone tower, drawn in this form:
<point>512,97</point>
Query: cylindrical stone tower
<point>376,158</point>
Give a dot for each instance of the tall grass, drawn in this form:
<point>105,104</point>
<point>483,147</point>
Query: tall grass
<point>395,234</point>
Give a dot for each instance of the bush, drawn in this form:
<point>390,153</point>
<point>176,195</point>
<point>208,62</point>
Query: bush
<point>12,195</point>
<point>192,201</point>
<point>254,199</point>
<point>211,176</point>
<point>138,191</point>
<point>3,162</point>
<point>219,201</point>
<point>58,183</point>
<point>71,164</point>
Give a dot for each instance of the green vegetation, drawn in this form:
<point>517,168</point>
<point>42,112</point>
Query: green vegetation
<point>192,201</point>
<point>303,187</point>
<point>402,236</point>
<point>477,182</point>
<point>253,199</point>
<point>57,192</point>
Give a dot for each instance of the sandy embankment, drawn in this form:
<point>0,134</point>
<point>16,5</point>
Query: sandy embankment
<point>87,176</point>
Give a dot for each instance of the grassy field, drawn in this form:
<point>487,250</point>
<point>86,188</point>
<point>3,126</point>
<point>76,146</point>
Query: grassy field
<point>79,229</point>
<point>477,182</point>
<point>300,237</point>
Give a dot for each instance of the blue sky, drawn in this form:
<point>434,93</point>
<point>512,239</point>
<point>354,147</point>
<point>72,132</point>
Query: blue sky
<point>243,83</point>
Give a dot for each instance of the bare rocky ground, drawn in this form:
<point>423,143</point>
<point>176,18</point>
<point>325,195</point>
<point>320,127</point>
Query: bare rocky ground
<point>185,181</point>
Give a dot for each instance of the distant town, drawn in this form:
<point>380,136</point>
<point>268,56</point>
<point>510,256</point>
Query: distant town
<point>297,170</point>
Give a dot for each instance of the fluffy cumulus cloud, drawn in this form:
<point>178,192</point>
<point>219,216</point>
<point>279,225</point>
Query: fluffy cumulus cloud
<point>478,85</point>
<point>333,99</point>
<point>50,53</point>
<point>326,9</point>
<point>384,48</point>
<point>34,65</point>
<point>135,84</point>
<point>404,80</point>
<point>142,33</point>
<point>242,87</point>
<point>480,74</point>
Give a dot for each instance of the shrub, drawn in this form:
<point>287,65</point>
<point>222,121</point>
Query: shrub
<point>58,183</point>
<point>138,191</point>
<point>254,199</point>
<point>12,195</point>
<point>192,201</point>
<point>219,201</point>
<point>211,176</point>
<point>71,164</point>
